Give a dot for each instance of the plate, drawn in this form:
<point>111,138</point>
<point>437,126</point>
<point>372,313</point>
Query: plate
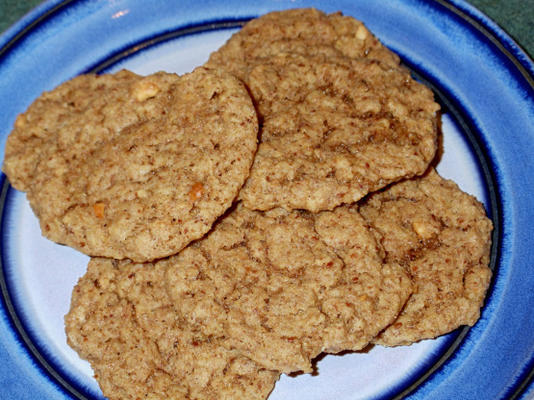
<point>485,85</point>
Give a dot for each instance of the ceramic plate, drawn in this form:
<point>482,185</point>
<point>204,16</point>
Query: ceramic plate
<point>484,83</point>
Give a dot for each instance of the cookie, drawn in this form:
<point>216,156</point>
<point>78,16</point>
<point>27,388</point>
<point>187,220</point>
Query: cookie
<point>281,287</point>
<point>334,130</point>
<point>304,31</point>
<point>442,237</point>
<point>339,116</point>
<point>141,168</point>
<point>71,120</point>
<point>122,321</point>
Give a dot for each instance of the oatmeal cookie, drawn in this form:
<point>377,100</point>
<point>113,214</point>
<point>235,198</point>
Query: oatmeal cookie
<point>138,168</point>
<point>70,120</point>
<point>334,130</point>
<point>340,117</point>
<point>282,287</point>
<point>442,236</point>
<point>304,31</point>
<point>122,321</point>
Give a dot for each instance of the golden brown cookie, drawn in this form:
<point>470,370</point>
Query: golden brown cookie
<point>122,321</point>
<point>334,130</point>
<point>304,31</point>
<point>340,117</point>
<point>133,167</point>
<point>442,236</point>
<point>71,120</point>
<point>281,287</point>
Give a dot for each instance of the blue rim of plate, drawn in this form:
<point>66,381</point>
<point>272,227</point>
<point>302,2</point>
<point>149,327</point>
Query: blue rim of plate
<point>466,13</point>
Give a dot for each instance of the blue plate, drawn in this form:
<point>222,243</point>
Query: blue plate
<point>485,85</point>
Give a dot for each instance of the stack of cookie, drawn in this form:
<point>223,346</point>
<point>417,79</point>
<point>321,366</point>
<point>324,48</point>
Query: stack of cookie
<point>272,205</point>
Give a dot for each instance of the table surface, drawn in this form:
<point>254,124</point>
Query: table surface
<point>516,17</point>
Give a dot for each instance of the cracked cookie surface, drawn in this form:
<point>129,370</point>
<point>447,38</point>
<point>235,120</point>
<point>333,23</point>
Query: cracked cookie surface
<point>443,237</point>
<point>122,321</point>
<point>282,287</point>
<point>135,167</point>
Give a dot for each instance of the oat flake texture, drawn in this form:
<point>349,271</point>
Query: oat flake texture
<point>282,287</point>
<point>122,321</point>
<point>135,167</point>
<point>442,236</point>
<point>340,117</point>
